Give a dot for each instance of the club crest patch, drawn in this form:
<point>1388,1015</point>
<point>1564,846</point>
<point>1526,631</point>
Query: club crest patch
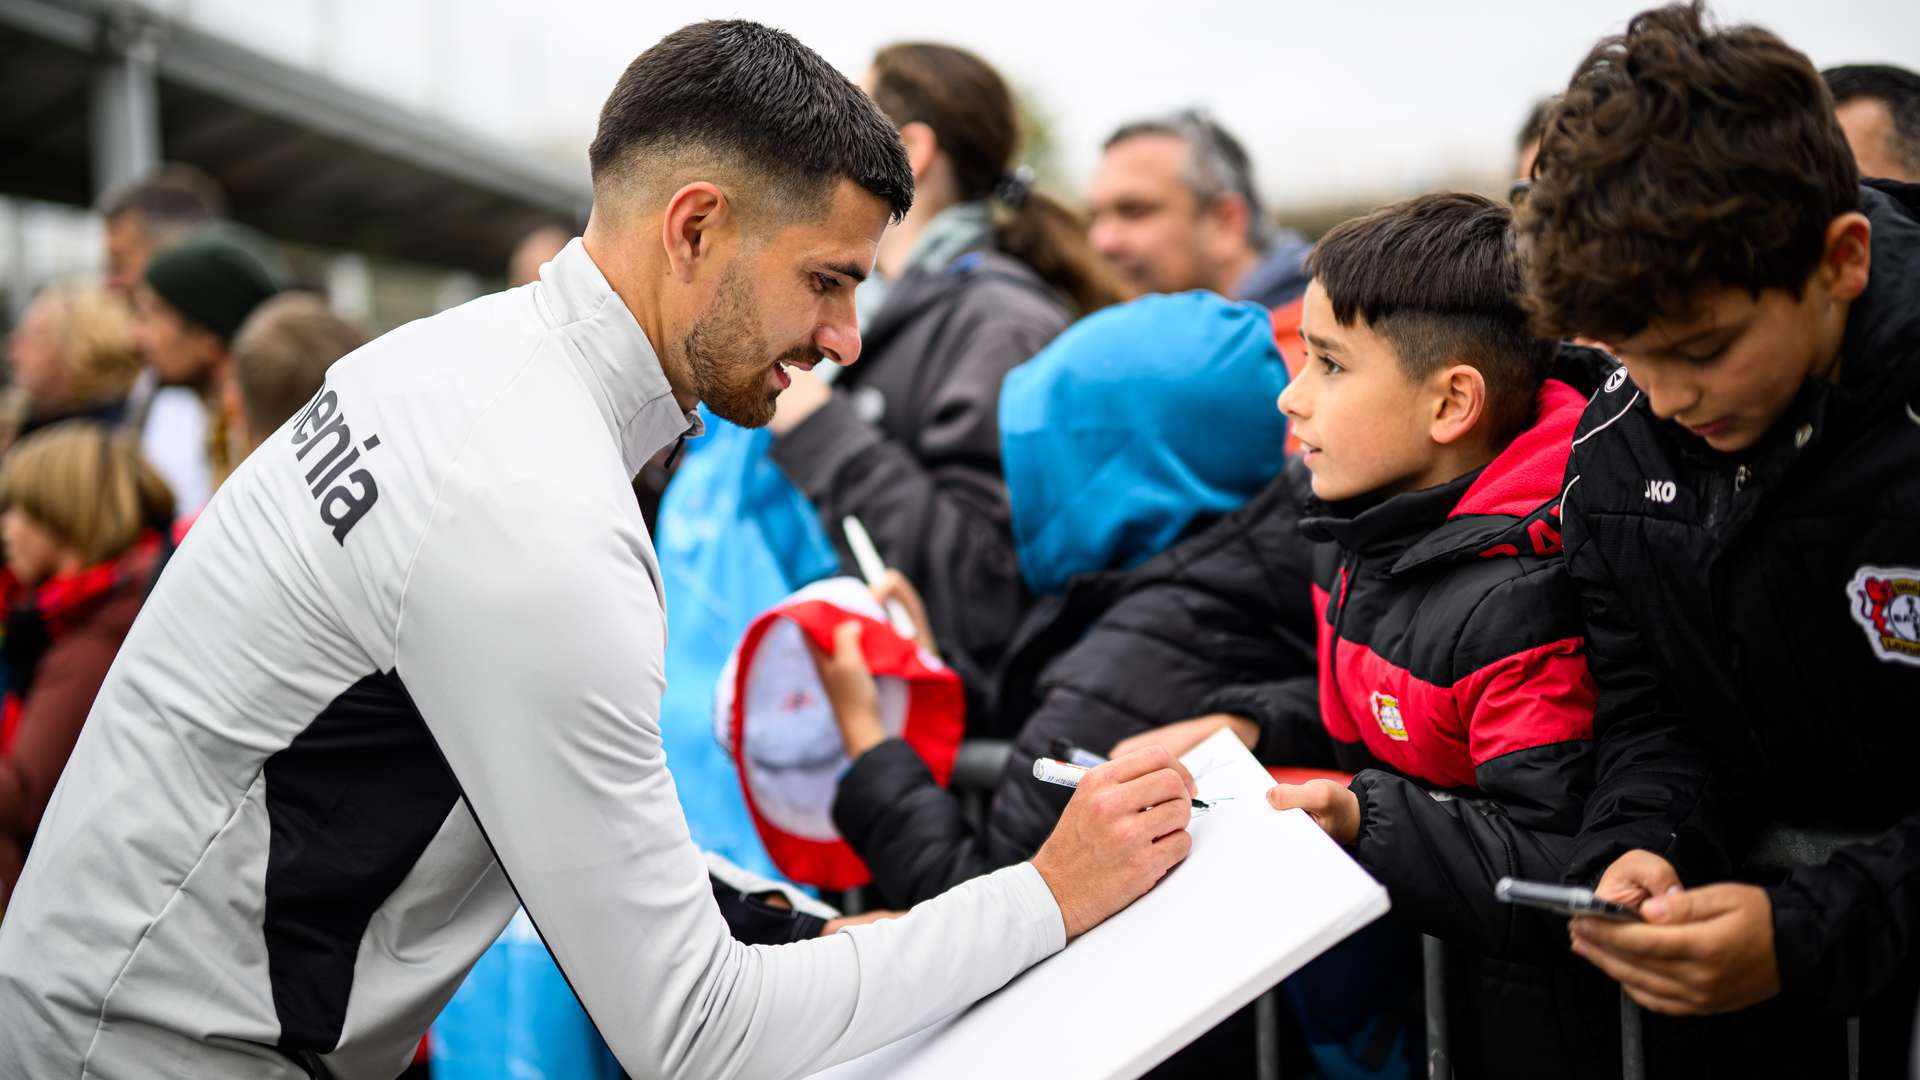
<point>1386,713</point>
<point>1885,601</point>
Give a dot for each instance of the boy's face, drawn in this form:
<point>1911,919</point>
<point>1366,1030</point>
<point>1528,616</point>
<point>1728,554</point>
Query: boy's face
<point>1729,368</point>
<point>1359,419</point>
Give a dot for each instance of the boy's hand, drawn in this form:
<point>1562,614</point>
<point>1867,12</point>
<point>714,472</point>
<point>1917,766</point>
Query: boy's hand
<point>1331,805</point>
<point>1700,951</point>
<point>1636,877</point>
<point>850,689</point>
<point>1183,735</point>
<point>893,585</point>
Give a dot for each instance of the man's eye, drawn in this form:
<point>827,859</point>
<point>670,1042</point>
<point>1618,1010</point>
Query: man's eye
<point>826,282</point>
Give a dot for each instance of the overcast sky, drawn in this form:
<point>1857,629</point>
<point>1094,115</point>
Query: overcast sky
<point>1334,99</point>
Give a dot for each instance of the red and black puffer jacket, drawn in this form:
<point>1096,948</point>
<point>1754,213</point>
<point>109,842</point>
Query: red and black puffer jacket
<point>1452,661</point>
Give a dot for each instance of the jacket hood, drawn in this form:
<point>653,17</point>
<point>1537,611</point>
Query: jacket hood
<point>1281,275</point>
<point>1132,424</point>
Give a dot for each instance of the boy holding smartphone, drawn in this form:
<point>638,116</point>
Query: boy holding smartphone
<point>1743,519</point>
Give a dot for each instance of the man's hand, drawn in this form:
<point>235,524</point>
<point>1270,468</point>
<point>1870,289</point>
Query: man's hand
<point>850,689</point>
<point>1123,830</point>
<point>801,399</point>
<point>834,926</point>
<point>1332,805</point>
<point>1700,951</point>
<point>1183,735</point>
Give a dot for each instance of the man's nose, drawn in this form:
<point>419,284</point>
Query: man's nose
<point>838,339</point>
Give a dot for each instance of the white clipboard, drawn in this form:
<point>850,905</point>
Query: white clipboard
<point>1261,894</point>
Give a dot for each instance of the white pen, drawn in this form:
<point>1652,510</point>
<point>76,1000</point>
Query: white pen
<point>867,557</point>
<point>1066,774</point>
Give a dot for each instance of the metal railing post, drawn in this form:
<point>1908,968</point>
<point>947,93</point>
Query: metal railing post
<point>1433,965</point>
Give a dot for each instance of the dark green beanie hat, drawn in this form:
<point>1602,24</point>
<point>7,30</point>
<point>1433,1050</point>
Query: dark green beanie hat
<point>214,280</point>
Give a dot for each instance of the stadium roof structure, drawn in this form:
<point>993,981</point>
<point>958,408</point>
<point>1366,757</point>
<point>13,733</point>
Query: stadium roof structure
<point>95,92</point>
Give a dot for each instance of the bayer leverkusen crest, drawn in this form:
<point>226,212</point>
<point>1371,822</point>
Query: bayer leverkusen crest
<point>1886,603</point>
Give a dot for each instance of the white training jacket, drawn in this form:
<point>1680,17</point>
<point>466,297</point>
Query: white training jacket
<point>406,666</point>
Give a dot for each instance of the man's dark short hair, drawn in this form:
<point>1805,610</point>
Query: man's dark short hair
<point>759,101</point>
<point>1217,164</point>
<point>1438,278</point>
<point>1896,88</point>
<point>1680,157</point>
<point>174,197</point>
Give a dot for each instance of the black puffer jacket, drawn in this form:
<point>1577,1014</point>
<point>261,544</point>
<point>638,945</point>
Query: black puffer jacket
<point>1128,652</point>
<point>910,444</point>
<point>1754,626</point>
<point>1451,660</point>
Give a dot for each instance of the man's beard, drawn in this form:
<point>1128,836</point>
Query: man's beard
<point>728,361</point>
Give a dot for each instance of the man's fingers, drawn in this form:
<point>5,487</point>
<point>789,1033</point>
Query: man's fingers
<point>1153,789</point>
<point>1173,847</point>
<point>1141,762</point>
<point>1168,817</point>
<point>1193,786</point>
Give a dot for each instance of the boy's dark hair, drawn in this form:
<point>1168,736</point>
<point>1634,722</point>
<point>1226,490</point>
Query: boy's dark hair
<point>1680,157</point>
<point>1896,88</point>
<point>754,100</point>
<point>1437,277</point>
<point>171,198</point>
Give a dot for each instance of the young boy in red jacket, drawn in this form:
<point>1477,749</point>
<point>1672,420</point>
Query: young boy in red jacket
<point>1435,431</point>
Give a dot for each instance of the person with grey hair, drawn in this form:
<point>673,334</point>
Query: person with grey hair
<point>1175,207</point>
<point>155,212</point>
<point>144,217</point>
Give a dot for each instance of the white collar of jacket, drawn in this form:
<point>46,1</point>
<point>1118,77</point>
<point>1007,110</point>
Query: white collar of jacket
<point>613,356</point>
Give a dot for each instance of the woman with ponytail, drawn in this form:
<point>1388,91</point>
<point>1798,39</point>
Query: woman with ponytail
<point>979,276</point>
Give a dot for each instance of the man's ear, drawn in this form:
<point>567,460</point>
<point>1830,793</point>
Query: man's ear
<point>698,218</point>
<point>1458,401</point>
<point>922,147</point>
<point>1848,256</point>
<point>1230,215</point>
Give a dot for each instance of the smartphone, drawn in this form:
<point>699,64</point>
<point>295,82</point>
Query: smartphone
<point>1564,899</point>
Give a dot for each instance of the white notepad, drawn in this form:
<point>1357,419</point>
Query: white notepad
<point>1261,894</point>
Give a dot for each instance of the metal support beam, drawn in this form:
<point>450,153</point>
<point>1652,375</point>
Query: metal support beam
<point>126,100</point>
